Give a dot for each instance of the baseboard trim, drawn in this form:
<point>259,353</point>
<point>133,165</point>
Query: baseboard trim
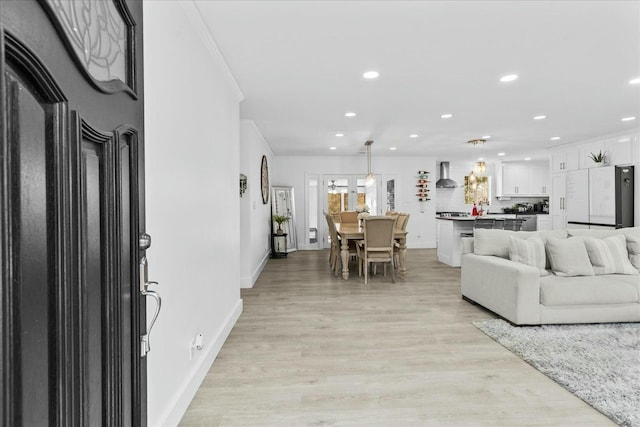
<point>248,282</point>
<point>175,411</point>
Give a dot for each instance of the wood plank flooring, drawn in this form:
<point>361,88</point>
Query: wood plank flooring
<point>311,349</point>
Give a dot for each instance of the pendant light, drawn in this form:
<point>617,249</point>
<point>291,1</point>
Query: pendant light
<point>478,171</point>
<point>370,180</point>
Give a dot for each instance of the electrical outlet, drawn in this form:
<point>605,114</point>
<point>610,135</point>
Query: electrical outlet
<point>196,345</point>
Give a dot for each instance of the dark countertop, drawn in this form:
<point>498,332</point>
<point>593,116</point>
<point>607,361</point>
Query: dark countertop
<point>531,213</point>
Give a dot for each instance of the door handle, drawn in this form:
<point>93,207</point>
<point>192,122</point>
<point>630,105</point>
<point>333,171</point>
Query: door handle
<point>145,346</point>
<point>144,244</point>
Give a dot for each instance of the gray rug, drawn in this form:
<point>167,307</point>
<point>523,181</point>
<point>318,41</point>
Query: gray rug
<point>598,363</point>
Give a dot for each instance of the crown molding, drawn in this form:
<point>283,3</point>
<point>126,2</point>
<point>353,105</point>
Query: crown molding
<point>202,28</point>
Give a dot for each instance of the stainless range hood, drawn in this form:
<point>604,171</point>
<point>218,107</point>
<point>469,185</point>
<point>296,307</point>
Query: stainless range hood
<point>445,181</point>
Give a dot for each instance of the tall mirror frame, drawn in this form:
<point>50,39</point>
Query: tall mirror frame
<point>283,203</point>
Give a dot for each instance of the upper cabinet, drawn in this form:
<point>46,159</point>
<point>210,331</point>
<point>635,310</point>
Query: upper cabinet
<point>619,151</point>
<point>525,179</point>
<point>565,160</point>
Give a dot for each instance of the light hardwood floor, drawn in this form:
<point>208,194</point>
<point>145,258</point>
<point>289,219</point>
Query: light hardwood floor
<point>311,349</point>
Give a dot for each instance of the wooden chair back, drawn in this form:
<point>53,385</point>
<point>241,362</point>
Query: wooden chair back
<point>350,217</point>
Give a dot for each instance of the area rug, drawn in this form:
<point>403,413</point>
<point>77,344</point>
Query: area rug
<point>598,363</point>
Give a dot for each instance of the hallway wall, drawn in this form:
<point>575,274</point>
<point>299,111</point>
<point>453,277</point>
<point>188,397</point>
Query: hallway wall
<point>192,168</point>
<point>255,217</point>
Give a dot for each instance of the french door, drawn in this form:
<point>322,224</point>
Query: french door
<point>346,193</point>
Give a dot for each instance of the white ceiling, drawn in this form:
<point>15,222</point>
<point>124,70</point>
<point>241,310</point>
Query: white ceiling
<point>300,65</point>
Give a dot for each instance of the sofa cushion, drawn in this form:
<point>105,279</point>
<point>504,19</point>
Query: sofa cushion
<point>609,255</point>
<point>632,235</point>
<point>528,251</point>
<point>568,257</point>
<point>594,290</point>
<point>496,242</point>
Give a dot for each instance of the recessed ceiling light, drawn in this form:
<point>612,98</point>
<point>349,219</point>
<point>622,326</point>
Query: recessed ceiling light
<point>527,158</point>
<point>624,140</point>
<point>332,148</point>
<point>501,154</point>
<point>635,81</point>
<point>392,148</point>
<point>447,116</point>
<point>486,137</point>
<point>508,78</point>
<point>350,114</point>
<point>555,138</point>
<point>413,135</point>
<point>371,75</point>
<point>627,119</point>
<point>339,134</point>
<point>541,117</point>
<point>480,159</point>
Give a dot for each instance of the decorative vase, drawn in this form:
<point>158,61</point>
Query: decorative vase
<point>279,230</point>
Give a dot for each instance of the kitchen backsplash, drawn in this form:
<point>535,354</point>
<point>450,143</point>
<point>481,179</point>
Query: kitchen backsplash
<point>452,199</point>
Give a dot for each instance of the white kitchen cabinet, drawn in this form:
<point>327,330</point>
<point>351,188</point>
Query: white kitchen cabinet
<point>543,222</point>
<point>557,201</point>
<point>525,180</point>
<point>515,180</point>
<point>567,159</point>
<point>592,148</point>
<point>558,161</point>
<point>539,180</point>
<point>621,151</point>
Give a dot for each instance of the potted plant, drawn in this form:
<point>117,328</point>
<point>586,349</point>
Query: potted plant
<point>280,219</point>
<point>599,158</point>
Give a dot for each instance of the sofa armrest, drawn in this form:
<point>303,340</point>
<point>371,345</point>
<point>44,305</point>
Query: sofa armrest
<point>509,289</point>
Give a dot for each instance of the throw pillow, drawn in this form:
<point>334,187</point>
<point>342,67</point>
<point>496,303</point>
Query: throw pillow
<point>496,242</point>
<point>633,246</point>
<point>529,252</point>
<point>569,257</point>
<point>609,255</point>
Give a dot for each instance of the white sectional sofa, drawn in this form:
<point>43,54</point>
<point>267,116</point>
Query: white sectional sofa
<point>503,272</point>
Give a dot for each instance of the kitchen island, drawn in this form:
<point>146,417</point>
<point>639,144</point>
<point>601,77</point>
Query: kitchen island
<point>450,230</point>
<point>449,235</point>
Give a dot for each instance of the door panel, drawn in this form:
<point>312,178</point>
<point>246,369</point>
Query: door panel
<point>28,129</point>
<point>92,287</point>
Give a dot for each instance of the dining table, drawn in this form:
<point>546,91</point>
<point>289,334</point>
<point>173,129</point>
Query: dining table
<point>354,231</point>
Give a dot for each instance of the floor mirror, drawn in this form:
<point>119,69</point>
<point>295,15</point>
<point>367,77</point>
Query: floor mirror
<point>283,203</point>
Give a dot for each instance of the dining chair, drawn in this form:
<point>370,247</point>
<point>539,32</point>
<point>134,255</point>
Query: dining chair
<point>403,220</point>
<point>350,217</point>
<point>377,245</point>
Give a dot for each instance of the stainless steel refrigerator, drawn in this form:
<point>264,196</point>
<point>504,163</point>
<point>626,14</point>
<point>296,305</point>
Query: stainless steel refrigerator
<point>600,197</point>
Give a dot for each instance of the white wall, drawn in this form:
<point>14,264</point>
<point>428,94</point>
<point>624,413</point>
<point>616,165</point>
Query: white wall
<point>255,217</point>
<point>421,228</point>
<point>192,168</point>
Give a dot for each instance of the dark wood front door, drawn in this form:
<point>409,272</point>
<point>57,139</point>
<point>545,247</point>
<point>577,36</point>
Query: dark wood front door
<point>71,194</point>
